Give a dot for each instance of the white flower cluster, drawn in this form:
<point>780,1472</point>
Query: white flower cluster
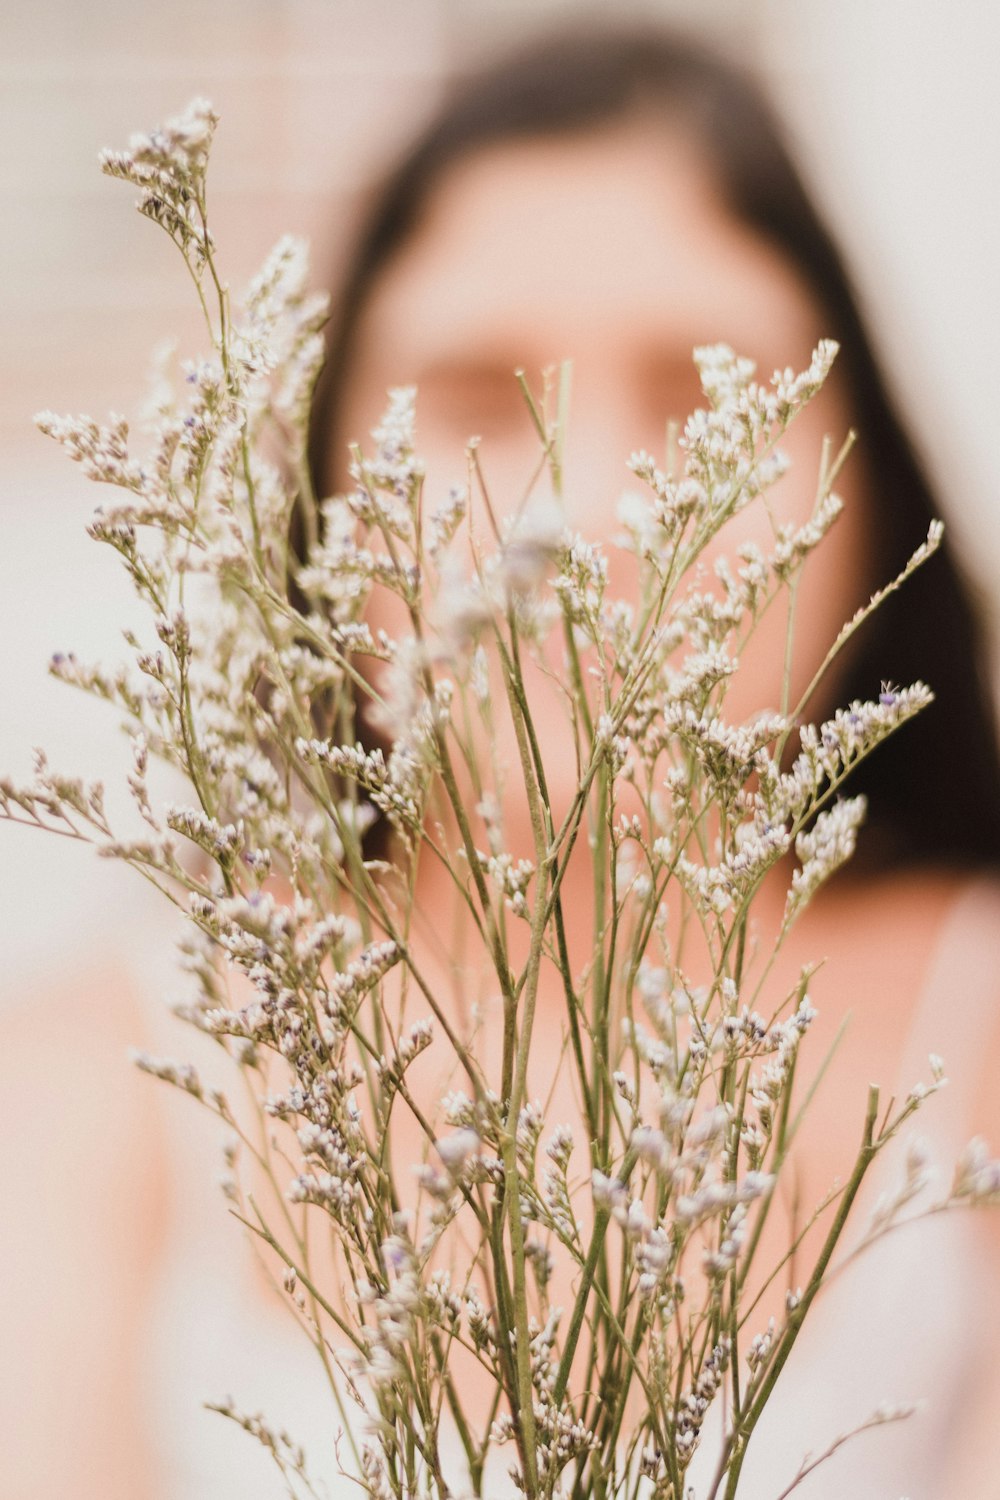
<point>560,1437</point>
<point>169,166</point>
<point>457,1215</point>
<point>695,1402</point>
<point>977,1174</point>
<point>823,848</point>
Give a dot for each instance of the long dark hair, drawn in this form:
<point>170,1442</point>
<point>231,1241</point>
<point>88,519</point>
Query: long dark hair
<point>934,789</point>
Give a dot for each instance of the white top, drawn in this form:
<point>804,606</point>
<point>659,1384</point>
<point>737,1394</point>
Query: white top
<point>899,1325</point>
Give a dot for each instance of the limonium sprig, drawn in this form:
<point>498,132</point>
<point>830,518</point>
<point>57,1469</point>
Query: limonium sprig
<point>296,852</point>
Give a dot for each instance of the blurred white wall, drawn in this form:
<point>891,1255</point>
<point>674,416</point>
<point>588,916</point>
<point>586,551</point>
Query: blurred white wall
<point>897,109</point>
<point>894,106</point>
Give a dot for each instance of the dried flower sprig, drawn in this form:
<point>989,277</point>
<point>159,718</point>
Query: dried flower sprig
<point>455,1219</point>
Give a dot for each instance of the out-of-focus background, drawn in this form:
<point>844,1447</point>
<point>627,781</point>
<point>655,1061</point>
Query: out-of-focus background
<point>894,111</point>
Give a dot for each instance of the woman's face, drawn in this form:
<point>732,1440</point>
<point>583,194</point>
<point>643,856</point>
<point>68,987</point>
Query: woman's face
<point>613,249</point>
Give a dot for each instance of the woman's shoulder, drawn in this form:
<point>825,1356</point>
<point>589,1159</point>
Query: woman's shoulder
<point>81,1184</point>
<point>953,918</point>
<point>960,907</point>
<point>904,927</point>
<point>934,908</point>
<point>908,967</point>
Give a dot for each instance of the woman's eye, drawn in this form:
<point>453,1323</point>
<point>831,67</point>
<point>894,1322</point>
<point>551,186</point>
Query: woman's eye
<point>681,400</point>
<point>672,395</point>
<point>474,400</point>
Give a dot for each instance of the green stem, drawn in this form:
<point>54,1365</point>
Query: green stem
<point>741,1435</point>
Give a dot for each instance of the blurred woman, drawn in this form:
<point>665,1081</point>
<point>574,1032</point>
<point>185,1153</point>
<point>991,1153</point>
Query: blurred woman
<point>616,197</point>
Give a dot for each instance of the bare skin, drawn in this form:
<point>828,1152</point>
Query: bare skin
<point>83,1222</point>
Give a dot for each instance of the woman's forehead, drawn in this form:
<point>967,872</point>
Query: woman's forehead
<point>564,245</point>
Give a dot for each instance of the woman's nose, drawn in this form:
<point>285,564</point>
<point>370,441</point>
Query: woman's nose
<point>605,427</point>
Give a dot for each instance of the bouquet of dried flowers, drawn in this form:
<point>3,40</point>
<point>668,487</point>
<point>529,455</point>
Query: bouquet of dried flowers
<point>419,1206</point>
